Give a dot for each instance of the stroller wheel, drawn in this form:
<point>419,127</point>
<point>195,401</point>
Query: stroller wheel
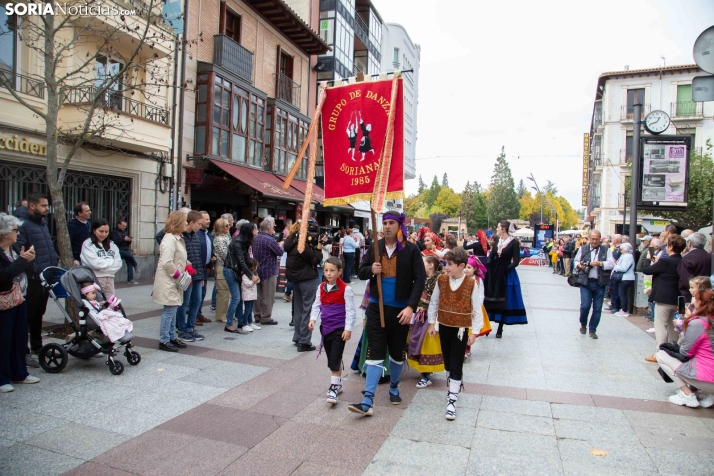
<point>117,368</point>
<point>132,357</point>
<point>53,358</point>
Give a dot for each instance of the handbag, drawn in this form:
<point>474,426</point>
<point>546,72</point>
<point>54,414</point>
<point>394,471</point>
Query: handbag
<point>617,275</point>
<point>574,281</point>
<point>184,281</point>
<point>11,298</point>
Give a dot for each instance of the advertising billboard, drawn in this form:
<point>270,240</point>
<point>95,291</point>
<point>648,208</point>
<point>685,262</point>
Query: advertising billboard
<point>664,172</point>
<point>541,233</point>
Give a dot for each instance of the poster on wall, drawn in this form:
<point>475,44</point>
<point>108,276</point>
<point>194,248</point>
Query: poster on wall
<point>664,172</point>
<point>541,233</point>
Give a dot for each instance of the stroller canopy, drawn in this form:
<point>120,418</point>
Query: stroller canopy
<point>71,282</point>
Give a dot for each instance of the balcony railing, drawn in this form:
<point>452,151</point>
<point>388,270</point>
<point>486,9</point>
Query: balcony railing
<point>117,102</point>
<point>23,84</point>
<point>627,113</point>
<point>287,90</point>
<point>595,202</point>
<point>361,30</point>
<point>686,109</point>
<point>597,119</point>
<point>230,55</point>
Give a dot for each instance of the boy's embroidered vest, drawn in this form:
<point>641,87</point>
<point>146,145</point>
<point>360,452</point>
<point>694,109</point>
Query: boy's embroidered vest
<point>455,308</point>
<point>332,309</point>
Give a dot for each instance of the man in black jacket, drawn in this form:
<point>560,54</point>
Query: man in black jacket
<point>79,228</point>
<point>34,232</point>
<point>568,254</point>
<point>301,270</point>
<point>187,312</point>
<point>402,272</point>
<point>120,237</point>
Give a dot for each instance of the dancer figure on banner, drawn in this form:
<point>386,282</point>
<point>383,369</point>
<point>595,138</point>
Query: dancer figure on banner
<point>352,134</point>
<point>365,144</point>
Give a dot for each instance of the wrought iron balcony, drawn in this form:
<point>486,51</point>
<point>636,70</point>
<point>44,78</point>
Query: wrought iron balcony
<point>597,119</point>
<point>118,102</point>
<point>230,55</point>
<point>686,109</point>
<point>627,113</point>
<point>361,30</point>
<point>287,90</point>
<point>23,84</point>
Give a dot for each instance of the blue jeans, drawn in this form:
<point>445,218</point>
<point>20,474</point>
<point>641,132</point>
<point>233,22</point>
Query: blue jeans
<point>128,257</point>
<point>234,288</point>
<point>289,288</point>
<point>167,330</point>
<point>620,289</point>
<point>349,262</point>
<point>246,314</point>
<point>192,300</point>
<point>213,296</point>
<point>591,295</point>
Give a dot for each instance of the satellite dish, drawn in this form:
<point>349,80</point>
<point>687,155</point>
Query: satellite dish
<point>704,50</point>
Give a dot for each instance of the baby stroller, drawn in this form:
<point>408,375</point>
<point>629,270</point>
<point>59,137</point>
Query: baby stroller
<point>88,339</point>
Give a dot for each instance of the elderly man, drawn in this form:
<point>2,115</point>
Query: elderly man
<point>267,252</point>
<point>645,249</point>
<point>696,262</point>
<point>685,234</point>
<point>403,276</point>
<point>596,260</point>
<point>615,304</point>
<point>668,230</point>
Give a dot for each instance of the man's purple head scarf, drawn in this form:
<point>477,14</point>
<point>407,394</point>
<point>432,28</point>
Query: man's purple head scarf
<point>399,218</point>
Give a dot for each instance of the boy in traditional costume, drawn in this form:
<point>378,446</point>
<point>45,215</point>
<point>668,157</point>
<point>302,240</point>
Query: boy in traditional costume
<point>456,306</point>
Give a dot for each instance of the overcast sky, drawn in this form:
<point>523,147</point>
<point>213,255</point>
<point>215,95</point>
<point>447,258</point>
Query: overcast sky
<point>522,74</point>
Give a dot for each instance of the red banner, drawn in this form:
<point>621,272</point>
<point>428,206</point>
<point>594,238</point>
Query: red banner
<point>354,126</point>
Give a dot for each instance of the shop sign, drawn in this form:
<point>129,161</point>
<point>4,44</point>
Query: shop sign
<point>586,166</point>
<point>298,210</point>
<point>22,144</point>
<point>194,176</point>
<point>658,223</point>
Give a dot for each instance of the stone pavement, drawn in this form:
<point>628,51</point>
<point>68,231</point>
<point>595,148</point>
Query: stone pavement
<point>542,400</point>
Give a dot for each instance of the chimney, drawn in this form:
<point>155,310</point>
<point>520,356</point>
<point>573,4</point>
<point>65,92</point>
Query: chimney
<point>627,67</point>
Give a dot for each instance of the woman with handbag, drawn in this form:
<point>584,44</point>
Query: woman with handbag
<point>623,276</point>
<point>171,280</point>
<point>234,266</point>
<point>14,262</point>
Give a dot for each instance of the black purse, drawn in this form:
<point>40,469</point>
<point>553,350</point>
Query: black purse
<point>617,275</point>
<point>574,281</point>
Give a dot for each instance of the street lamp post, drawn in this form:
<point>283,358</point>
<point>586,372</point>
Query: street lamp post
<point>532,179</point>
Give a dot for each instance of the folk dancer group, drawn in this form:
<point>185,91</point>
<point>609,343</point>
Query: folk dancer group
<point>430,318</point>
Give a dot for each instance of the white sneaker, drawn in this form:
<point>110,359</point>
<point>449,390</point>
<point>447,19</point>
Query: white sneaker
<point>254,326</point>
<point>706,399</point>
<point>622,314</point>
<point>680,398</point>
<point>332,393</point>
<point>28,379</point>
<point>7,388</point>
<point>247,329</point>
<point>651,330</point>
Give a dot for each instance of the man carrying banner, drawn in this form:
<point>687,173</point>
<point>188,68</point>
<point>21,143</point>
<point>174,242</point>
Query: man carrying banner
<point>402,273</point>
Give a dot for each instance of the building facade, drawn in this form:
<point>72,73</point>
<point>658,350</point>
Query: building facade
<point>124,172</point>
<point>611,135</point>
<point>399,52</point>
<point>251,107</point>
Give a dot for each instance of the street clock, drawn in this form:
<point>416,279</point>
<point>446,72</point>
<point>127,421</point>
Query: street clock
<point>656,122</point>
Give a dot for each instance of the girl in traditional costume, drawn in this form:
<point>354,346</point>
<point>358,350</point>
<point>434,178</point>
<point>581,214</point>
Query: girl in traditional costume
<point>503,300</point>
<point>475,269</point>
<point>424,351</point>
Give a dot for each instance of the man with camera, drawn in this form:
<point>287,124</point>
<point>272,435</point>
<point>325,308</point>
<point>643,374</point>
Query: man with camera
<point>595,262</point>
<point>301,270</point>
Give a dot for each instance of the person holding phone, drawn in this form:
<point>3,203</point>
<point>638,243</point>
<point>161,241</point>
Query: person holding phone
<point>665,291</point>
<point>623,276</point>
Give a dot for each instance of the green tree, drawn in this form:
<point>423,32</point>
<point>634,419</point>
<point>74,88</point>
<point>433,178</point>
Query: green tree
<point>478,218</point>
<point>502,202</point>
<point>433,192</point>
<point>422,185</point>
<point>448,202</point>
<point>445,181</point>
<point>699,200</point>
<point>550,187</point>
<point>521,191</point>
<point>466,209</point>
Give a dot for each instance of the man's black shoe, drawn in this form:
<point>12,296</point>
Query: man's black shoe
<point>179,344</point>
<point>582,330</point>
<point>292,324</point>
<point>305,348</point>
<point>269,323</point>
<point>168,347</point>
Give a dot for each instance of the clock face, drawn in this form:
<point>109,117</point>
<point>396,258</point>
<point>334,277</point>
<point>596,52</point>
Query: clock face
<point>657,122</point>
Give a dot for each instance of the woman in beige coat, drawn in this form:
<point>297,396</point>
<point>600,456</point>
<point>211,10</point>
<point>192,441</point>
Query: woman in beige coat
<point>172,264</point>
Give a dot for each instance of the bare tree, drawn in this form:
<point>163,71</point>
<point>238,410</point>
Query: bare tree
<point>98,59</point>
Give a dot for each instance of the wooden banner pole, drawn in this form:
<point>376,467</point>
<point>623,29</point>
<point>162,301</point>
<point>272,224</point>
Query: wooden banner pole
<point>378,259</point>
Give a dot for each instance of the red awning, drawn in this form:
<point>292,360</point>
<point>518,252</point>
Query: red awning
<point>318,194</point>
<point>264,182</point>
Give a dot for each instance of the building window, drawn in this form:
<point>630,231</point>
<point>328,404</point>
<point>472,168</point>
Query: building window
<point>395,61</point>
<point>685,105</point>
<point>235,126</point>
<point>106,71</point>
<point>634,96</point>
<point>230,23</point>
<point>289,134</point>
<point>8,41</point>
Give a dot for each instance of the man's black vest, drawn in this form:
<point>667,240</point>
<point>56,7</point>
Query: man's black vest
<point>603,276</point>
